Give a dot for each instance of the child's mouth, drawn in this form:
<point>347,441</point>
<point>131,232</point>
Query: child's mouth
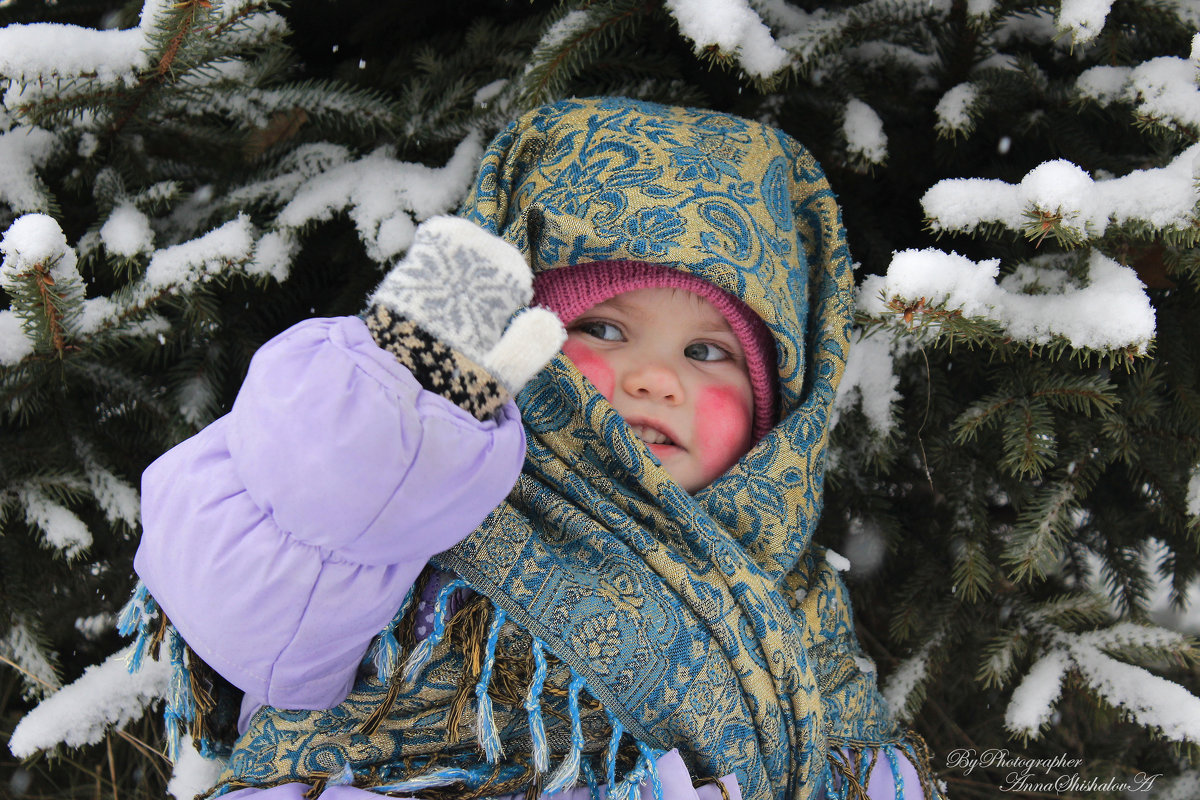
<point>651,435</point>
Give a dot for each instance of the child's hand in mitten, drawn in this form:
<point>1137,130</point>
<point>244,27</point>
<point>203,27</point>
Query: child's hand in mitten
<point>443,309</point>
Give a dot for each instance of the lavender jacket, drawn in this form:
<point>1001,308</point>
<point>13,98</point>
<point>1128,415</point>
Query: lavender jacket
<point>324,491</point>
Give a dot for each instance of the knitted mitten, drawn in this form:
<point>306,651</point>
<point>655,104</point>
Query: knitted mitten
<point>443,309</point>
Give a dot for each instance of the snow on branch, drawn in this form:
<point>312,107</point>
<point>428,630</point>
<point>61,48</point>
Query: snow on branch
<point>47,50</point>
<point>116,498</point>
<point>782,15</point>
<point>1193,492</point>
<point>127,232</point>
<point>870,379</point>
<point>202,258</point>
<point>955,110</point>
<point>814,38</point>
<point>1083,18</point>
<point>383,196</point>
<point>904,689</point>
<point>1164,197</point>
<point>1129,634</point>
<point>1111,312</point>
<point>32,242</point>
<point>22,150</point>
<point>39,273</point>
<point>60,528</point>
<point>570,24</point>
<point>39,57</point>
<point>1151,701</point>
<point>106,695</point>
<point>15,344</point>
<point>294,169</point>
<point>193,774</point>
<point>732,27</point>
<point>21,648</point>
<point>863,129</point>
<point>1033,700</point>
<point>37,256</point>
<point>1161,90</point>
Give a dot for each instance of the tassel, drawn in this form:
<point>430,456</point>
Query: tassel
<point>568,771</point>
<point>134,611</point>
<point>387,646</point>
<point>589,775</point>
<point>203,704</point>
<point>533,705</point>
<point>371,724</point>
<point>714,781</point>
<point>917,750</point>
<point>439,777</point>
<point>847,786</point>
<point>533,791</point>
<point>897,775</point>
<point>135,618</point>
<point>627,789</point>
<point>651,757</point>
<point>614,742</point>
<point>467,629</point>
<point>422,652</point>
<point>489,736</point>
<point>343,778</point>
<point>180,707</point>
<point>918,753</point>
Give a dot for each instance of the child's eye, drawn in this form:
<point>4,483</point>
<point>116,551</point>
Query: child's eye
<point>600,330</point>
<point>704,351</point>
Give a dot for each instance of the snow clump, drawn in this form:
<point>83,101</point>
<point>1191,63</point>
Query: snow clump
<point>870,379</point>
<point>107,694</point>
<point>1162,89</point>
<point>1033,700</point>
<point>1111,312</point>
<point>1083,18</point>
<point>127,232</point>
<point>954,109</point>
<point>733,27</point>
<point>1164,197</point>
<point>23,150</point>
<point>864,134</point>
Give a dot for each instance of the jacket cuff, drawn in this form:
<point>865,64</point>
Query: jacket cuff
<point>439,369</point>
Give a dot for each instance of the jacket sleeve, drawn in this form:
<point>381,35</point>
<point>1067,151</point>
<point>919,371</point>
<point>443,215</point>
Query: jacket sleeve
<point>282,537</point>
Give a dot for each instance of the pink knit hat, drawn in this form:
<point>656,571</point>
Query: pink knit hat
<point>570,291</point>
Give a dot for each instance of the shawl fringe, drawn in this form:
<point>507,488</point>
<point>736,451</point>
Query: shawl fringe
<point>850,765</point>
<point>490,677</point>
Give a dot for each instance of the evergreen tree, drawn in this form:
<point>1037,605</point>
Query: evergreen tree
<point>1014,473</point>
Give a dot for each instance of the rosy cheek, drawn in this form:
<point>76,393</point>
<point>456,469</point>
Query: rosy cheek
<point>723,419</point>
<point>593,366</point>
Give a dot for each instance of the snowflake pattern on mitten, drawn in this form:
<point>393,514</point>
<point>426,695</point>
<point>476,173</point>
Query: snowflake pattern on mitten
<point>462,286</point>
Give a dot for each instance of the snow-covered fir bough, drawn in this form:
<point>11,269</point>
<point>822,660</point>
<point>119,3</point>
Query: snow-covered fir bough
<point>1016,470</point>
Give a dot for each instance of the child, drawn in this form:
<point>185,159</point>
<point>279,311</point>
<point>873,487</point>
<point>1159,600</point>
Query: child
<point>645,605</point>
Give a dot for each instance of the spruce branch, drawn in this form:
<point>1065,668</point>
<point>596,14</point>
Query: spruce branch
<point>1041,224</point>
<point>51,306</point>
<point>1070,612</point>
<point>1000,656</point>
<point>1043,527</point>
<point>974,570</point>
<point>938,327</point>
<point>572,42</point>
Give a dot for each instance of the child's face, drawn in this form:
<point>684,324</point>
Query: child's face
<point>670,365</point>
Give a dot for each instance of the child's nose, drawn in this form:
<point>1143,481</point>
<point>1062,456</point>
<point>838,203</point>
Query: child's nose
<point>654,380</point>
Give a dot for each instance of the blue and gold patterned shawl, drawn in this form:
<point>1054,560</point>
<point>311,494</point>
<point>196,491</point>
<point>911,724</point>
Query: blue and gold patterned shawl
<point>621,616</point>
